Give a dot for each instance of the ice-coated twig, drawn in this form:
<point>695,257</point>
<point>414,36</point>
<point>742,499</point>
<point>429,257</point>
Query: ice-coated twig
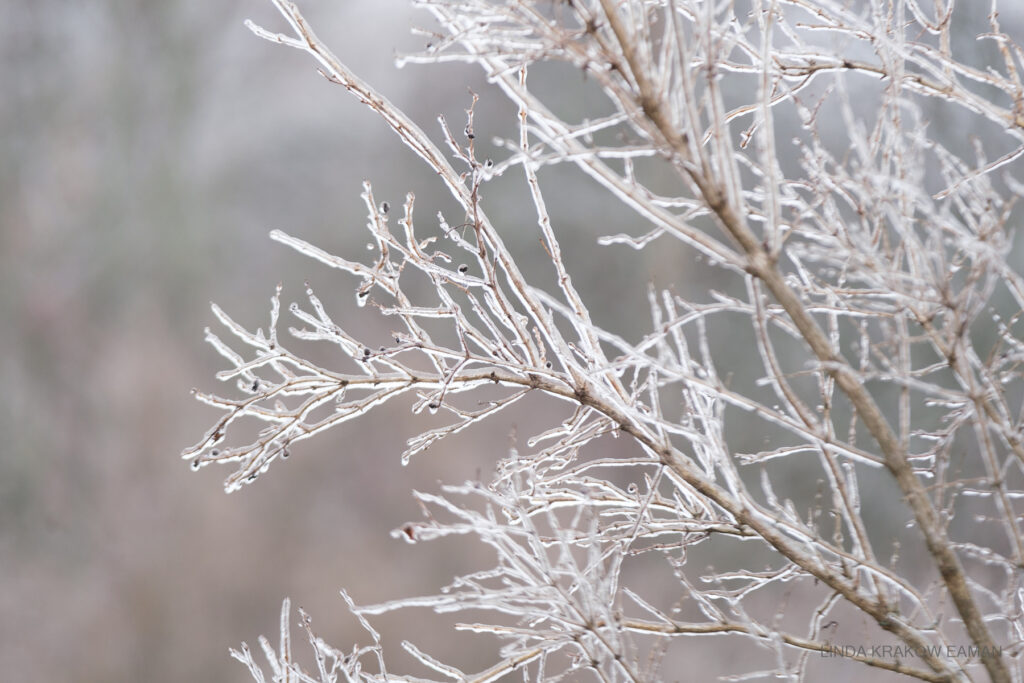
<point>870,282</point>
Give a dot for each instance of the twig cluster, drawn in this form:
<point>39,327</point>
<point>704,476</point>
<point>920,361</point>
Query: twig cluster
<point>876,279</point>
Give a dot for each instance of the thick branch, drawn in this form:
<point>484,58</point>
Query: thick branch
<point>762,265</point>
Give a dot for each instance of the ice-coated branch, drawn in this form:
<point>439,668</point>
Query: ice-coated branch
<point>871,282</point>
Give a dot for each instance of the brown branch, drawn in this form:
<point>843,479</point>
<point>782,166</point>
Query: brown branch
<point>763,265</point>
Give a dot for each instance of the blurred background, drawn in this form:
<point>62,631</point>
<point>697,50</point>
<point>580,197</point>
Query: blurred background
<point>147,149</point>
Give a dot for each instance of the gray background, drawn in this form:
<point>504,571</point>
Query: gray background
<point>146,151</point>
